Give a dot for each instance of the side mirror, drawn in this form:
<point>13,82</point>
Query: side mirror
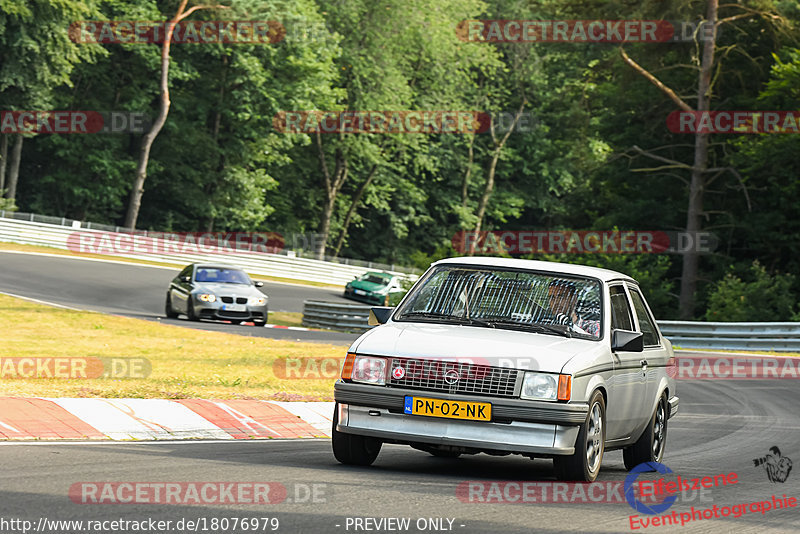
<point>186,279</point>
<point>626,341</point>
<point>258,283</point>
<point>379,315</point>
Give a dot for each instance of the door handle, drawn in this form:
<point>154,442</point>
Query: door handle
<point>643,364</point>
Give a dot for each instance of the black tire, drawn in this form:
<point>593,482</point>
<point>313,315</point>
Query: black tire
<point>190,311</point>
<point>584,464</point>
<point>350,449</point>
<point>168,311</point>
<point>259,323</point>
<point>651,444</point>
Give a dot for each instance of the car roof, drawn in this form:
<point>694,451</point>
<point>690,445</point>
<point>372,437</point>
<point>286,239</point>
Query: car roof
<point>216,266</point>
<point>606,275</point>
<point>385,275</point>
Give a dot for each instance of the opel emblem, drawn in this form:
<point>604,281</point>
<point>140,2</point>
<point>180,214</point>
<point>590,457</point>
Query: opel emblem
<point>398,373</point>
<point>451,376</point>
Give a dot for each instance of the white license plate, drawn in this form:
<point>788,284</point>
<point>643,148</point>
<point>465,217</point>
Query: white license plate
<point>234,307</point>
<point>360,292</point>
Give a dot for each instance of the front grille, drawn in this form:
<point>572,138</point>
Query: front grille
<point>225,314</point>
<point>429,375</point>
<point>229,300</point>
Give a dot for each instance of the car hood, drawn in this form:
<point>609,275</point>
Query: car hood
<point>234,290</point>
<point>473,344</point>
<point>367,286</point>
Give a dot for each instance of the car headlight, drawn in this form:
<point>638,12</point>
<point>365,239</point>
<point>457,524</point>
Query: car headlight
<point>256,301</point>
<point>368,370</point>
<point>546,386</point>
<point>207,297</point>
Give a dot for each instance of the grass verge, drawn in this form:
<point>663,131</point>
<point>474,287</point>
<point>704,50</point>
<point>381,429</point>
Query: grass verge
<point>185,363</point>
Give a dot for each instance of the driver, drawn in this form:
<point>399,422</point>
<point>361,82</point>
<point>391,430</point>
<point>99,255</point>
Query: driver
<point>563,300</point>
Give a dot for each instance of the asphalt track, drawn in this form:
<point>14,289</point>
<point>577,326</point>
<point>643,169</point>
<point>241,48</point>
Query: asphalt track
<point>722,427</point>
<point>135,290</point>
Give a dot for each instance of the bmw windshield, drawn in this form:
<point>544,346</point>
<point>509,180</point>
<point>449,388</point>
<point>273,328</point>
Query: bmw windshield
<point>517,300</point>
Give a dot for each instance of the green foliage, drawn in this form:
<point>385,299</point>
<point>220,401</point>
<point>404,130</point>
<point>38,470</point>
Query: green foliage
<point>760,296</point>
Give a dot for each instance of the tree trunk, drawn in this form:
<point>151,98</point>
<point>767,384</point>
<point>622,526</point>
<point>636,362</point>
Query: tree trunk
<point>353,205</point>
<point>3,159</point>
<point>135,201</point>
<point>333,185</point>
<point>697,185</point>
<point>487,190</point>
<point>13,171</point>
<point>468,172</point>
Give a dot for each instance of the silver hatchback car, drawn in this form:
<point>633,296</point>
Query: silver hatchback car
<point>213,291</point>
<point>509,356</point>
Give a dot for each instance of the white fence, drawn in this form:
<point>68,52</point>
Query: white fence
<point>733,336</point>
<point>56,233</point>
<point>781,337</point>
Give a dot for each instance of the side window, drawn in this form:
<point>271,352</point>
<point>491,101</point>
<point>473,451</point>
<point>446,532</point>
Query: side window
<point>620,310</point>
<point>645,321</point>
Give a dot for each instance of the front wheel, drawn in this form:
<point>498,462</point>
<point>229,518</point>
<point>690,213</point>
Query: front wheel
<point>651,444</point>
<point>168,311</point>
<point>584,463</point>
<point>190,311</point>
<point>350,449</point>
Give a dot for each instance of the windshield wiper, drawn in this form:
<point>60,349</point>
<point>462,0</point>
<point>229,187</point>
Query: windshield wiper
<point>448,317</point>
<point>527,326</point>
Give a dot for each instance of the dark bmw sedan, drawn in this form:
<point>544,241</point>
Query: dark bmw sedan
<point>212,291</point>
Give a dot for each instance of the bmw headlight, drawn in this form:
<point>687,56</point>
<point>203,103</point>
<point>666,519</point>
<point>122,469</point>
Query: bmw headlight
<point>207,297</point>
<point>256,301</point>
<point>546,386</point>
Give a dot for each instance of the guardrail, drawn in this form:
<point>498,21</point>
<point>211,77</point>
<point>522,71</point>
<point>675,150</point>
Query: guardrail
<point>733,336</point>
<point>333,316</point>
<point>55,231</point>
<point>685,334</point>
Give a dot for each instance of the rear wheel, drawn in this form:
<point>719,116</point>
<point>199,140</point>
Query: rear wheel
<point>584,463</point>
<point>650,446</point>
<point>168,311</point>
<point>351,449</point>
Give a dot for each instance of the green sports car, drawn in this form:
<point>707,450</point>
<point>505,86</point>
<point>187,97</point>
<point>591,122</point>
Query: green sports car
<point>374,288</point>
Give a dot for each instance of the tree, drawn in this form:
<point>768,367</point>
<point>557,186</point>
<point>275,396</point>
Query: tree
<point>36,56</point>
<point>701,175</point>
<point>135,201</point>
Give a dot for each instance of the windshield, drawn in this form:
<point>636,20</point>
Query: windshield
<point>221,276</point>
<point>375,279</point>
<point>482,296</point>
